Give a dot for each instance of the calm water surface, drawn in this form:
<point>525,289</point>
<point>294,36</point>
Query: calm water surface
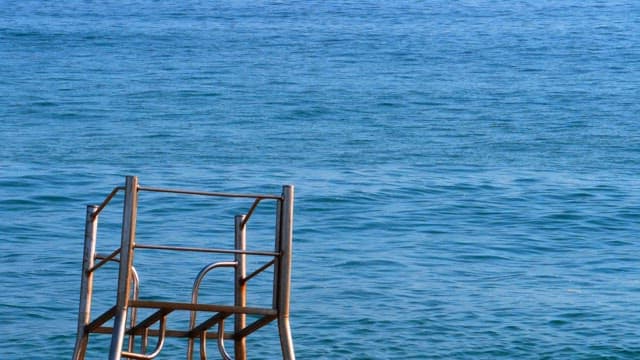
<point>466,173</point>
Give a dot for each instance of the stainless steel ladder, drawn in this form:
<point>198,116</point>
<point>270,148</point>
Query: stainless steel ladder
<point>127,328</point>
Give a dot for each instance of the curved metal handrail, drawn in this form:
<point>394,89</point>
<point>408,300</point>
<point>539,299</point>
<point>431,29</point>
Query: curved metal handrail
<point>159,346</point>
<point>134,273</point>
<point>203,345</point>
<point>135,293</point>
<point>221,349</point>
<point>194,300</point>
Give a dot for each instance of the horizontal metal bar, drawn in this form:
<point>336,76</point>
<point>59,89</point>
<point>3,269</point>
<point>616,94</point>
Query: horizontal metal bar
<point>152,319</point>
<point>196,331</point>
<point>206,193</point>
<point>208,250</point>
<point>104,260</point>
<point>107,200</point>
<point>201,307</point>
<point>258,271</point>
<point>254,326</point>
<point>168,333</point>
<point>101,320</point>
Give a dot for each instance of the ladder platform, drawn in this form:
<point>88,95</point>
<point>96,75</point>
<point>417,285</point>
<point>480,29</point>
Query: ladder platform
<point>128,301</point>
<point>164,308</point>
<point>230,309</point>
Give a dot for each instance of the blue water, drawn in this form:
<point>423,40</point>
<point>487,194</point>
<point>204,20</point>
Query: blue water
<point>467,173</point>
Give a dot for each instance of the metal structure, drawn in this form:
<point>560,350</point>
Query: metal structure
<point>126,327</point>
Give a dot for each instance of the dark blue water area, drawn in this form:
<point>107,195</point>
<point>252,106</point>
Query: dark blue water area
<point>466,172</point>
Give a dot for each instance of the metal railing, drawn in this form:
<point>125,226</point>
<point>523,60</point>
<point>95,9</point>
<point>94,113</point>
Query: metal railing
<point>128,301</point>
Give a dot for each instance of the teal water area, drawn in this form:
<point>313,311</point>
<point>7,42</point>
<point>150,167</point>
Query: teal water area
<point>466,172</point>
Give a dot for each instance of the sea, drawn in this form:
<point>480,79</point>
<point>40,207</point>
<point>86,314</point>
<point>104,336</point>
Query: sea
<point>467,173</point>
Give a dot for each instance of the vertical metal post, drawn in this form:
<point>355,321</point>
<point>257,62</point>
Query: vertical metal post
<point>86,283</point>
<point>240,344</point>
<point>276,267</point>
<point>285,240</point>
<point>126,262</point>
